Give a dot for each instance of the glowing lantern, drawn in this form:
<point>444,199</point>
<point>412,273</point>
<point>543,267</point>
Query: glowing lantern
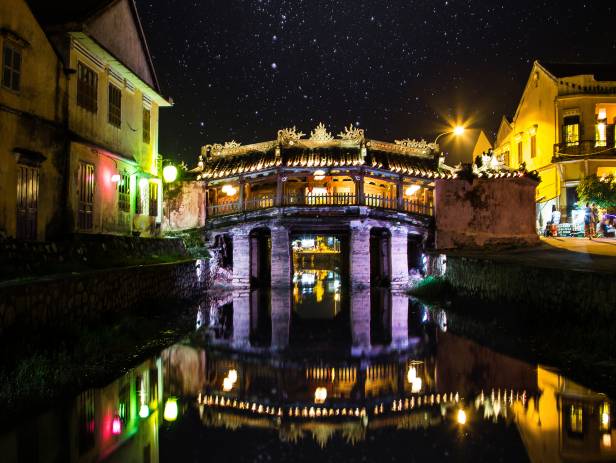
<point>170,173</point>
<point>319,175</point>
<point>606,440</point>
<point>320,395</point>
<point>414,380</point>
<point>171,409</point>
<point>232,375</point>
<point>116,426</point>
<point>144,411</point>
<point>227,384</point>
<point>410,191</point>
<point>229,190</point>
<point>115,178</point>
<point>461,417</point>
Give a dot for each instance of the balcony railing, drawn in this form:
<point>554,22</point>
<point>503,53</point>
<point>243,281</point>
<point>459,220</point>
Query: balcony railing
<point>585,148</point>
<point>344,199</point>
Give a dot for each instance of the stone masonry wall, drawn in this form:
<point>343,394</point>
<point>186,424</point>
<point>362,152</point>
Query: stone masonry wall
<point>184,206</point>
<point>76,299</point>
<point>554,290</point>
<point>485,212</point>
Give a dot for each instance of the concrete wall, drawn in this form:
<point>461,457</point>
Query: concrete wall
<point>485,212</point>
<point>82,298</point>
<point>183,206</point>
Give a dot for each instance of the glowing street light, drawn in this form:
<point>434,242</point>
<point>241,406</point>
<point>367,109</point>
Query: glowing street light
<point>461,417</point>
<point>320,395</point>
<point>457,131</point>
<point>171,409</point>
<point>170,173</point>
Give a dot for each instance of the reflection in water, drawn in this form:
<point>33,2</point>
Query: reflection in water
<point>225,386</point>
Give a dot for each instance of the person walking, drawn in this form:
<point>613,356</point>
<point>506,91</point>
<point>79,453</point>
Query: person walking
<point>588,221</point>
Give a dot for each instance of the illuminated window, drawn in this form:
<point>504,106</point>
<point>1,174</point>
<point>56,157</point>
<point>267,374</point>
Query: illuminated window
<point>571,130</point>
<point>146,125</point>
<point>11,66</point>
<point>153,200</point>
<point>124,410</point>
<point>604,417</point>
<point>520,152</point>
<point>85,421</point>
<point>575,419</point>
<point>87,88</point>
<point>601,128</point>
<point>533,146</point>
<point>27,201</point>
<point>124,193</point>
<point>506,159</point>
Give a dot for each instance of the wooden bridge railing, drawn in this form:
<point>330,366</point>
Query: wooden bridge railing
<point>341,199</point>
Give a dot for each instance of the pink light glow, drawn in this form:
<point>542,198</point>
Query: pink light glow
<point>116,425</point>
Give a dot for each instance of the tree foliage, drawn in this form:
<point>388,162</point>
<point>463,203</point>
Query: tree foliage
<point>601,191</point>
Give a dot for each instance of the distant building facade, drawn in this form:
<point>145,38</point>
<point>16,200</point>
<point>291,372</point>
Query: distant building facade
<point>104,108</point>
<point>563,128</point>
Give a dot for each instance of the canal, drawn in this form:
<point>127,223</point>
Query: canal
<point>295,374</point>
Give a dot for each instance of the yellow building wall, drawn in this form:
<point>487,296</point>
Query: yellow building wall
<point>31,119</point>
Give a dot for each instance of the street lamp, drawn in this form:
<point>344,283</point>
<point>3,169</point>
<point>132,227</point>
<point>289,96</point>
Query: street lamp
<point>457,131</point>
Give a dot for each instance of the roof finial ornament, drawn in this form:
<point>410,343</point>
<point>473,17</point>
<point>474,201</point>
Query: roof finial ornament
<point>354,134</point>
<point>320,134</point>
<point>289,135</point>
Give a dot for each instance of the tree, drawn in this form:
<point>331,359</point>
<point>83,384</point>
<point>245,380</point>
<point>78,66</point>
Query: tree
<point>601,191</point>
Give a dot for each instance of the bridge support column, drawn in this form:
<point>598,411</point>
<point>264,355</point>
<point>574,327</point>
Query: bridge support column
<point>399,320</point>
<point>241,258</point>
<point>360,321</point>
<point>360,255</point>
<point>241,319</point>
<point>281,257</point>
<point>399,258</point>
<point>281,318</point>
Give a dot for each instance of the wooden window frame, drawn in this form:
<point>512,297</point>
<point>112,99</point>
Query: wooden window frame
<point>28,181</point>
<point>11,72</point>
<point>87,88</point>
<point>124,192</point>
<point>114,107</point>
<point>533,146</point>
<point>147,125</point>
<point>85,192</point>
<point>520,152</point>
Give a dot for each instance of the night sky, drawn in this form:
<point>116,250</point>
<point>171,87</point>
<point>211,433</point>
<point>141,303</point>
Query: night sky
<point>242,69</point>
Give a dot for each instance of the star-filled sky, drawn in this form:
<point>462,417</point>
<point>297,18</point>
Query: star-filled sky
<point>242,69</point>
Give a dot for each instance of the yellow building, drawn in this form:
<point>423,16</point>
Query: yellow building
<point>564,128</point>
<point>113,101</point>
<point>79,103</point>
<point>32,115</point>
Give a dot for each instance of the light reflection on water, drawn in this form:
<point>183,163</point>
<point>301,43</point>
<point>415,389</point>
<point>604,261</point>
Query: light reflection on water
<point>248,394</point>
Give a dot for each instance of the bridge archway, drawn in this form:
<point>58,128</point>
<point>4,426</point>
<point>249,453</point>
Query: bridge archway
<point>380,256</point>
<point>260,256</point>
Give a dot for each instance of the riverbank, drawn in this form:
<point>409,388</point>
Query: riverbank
<point>48,366</point>
<point>553,280</point>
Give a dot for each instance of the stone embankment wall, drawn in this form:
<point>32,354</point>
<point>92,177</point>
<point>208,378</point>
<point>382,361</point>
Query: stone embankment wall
<point>485,212</point>
<point>555,291</point>
<point>75,299</point>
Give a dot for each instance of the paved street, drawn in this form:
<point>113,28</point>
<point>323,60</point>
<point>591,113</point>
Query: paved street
<point>599,246</point>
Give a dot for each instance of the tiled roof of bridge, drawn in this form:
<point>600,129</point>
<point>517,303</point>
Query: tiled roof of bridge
<point>327,157</point>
